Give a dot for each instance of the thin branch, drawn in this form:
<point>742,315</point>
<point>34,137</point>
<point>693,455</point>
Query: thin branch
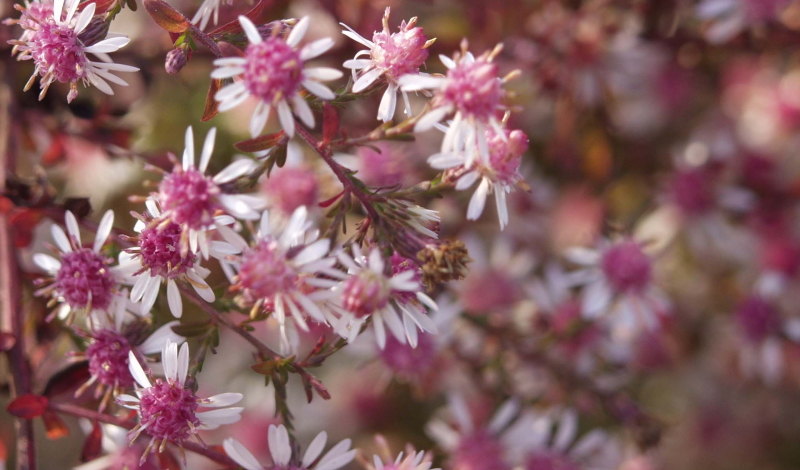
<point>10,295</point>
<point>75,410</point>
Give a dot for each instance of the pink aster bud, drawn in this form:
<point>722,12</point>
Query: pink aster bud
<point>176,59</point>
<point>505,154</point>
<point>273,70</point>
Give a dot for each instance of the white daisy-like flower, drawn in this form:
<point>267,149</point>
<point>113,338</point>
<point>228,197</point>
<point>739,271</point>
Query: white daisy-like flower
<point>547,439</point>
<point>472,92</point>
<point>157,258</point>
<point>470,444</point>
<point>273,71</point>
<point>618,280</point>
<point>208,9</point>
<point>285,270</point>
<point>395,302</point>
<point>167,409</point>
<point>498,171</point>
<point>57,49</point>
<point>109,342</point>
<point>193,200</point>
<point>391,56</point>
<point>82,279</point>
<point>280,448</point>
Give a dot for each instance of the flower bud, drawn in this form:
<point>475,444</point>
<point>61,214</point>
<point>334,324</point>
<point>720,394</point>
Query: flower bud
<point>176,60</point>
<point>96,31</point>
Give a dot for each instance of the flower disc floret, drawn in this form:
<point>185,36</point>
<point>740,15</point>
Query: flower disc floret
<point>108,358</point>
<point>160,249</point>
<point>168,411</point>
<point>627,267</point>
<point>189,197</point>
<point>273,70</point>
<point>85,279</point>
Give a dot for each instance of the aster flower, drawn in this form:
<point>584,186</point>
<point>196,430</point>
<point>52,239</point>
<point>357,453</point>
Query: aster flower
<point>547,440</point>
<point>280,448</point>
<point>498,171</point>
<point>82,279</point>
<point>110,340</point>
<point>391,56</point>
<point>472,447</point>
<point>395,302</point>
<point>286,270</point>
<point>273,71</point>
<point>473,91</point>
<point>167,409</point>
<point>157,258</point>
<point>619,274</point>
<point>59,52</point>
<point>207,10</point>
<point>193,200</point>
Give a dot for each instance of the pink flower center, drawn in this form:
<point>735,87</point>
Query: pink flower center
<point>692,191</point>
<point>291,188</point>
<point>35,14</point>
<point>473,89</point>
<point>757,318</point>
<point>404,360</point>
<point>550,461</point>
<point>264,271</point>
<point>273,70</point>
<point>399,53</point>
<point>479,451</point>
<point>108,358</point>
<point>167,409</point>
<point>626,267</point>
<point>57,48</point>
<point>84,279</point>
<point>189,198</point>
<point>365,292</point>
<point>160,251</point>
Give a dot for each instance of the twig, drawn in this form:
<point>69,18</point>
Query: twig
<point>10,295</point>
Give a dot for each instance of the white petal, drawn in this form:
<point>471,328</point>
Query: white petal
<point>430,118</point>
<point>208,149</point>
<point>467,180</point>
<point>174,299</point>
<point>316,48</point>
<point>357,37</point>
<point>139,286</point>
<point>313,252</point>
<point>150,294</point>
<point>357,63</point>
<point>84,18</point>
<point>388,104</point>
<point>259,118</point>
<point>47,262</point>
<point>478,201</point>
<point>201,287</point>
<point>240,454</point>
<point>169,360</point>
<point>314,449</point>
<point>250,30</point>
<point>420,82</point>
<point>303,110</point>
<point>337,462</point>
<point>107,45</point>
<point>236,169</point>
<point>286,118</point>
<point>298,32</point>
<point>183,363</point>
<point>222,400</point>
<point>62,242</point>
<point>365,80</point>
<point>279,445</point>
<point>503,416</point>
<point>104,228</point>
<point>72,227</point>
<point>155,342</point>
<point>447,61</point>
<point>567,429</point>
<point>214,418</point>
<point>188,152</point>
<point>136,370</point>
<point>319,89</point>
<point>227,72</point>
